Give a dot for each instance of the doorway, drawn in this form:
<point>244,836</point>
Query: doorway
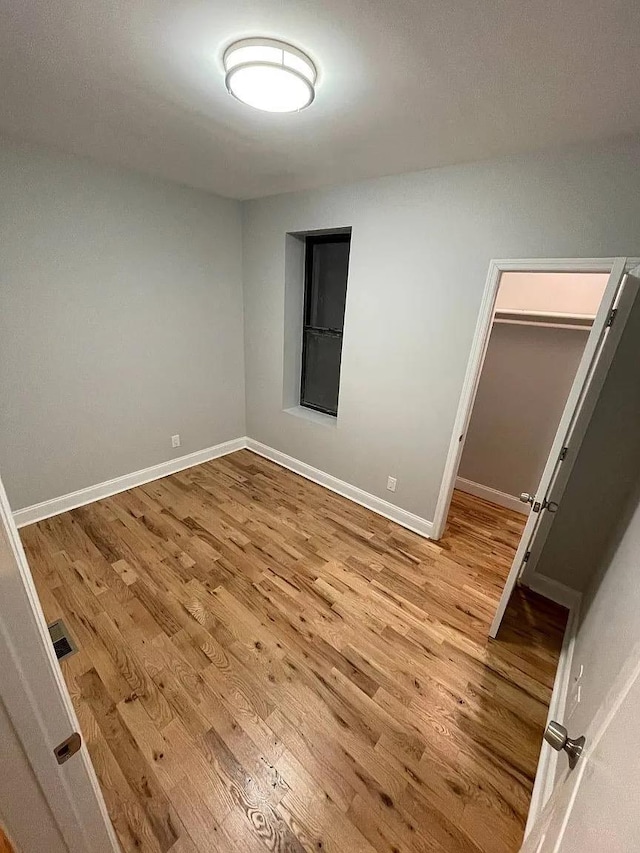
<point>606,326</point>
<point>540,325</point>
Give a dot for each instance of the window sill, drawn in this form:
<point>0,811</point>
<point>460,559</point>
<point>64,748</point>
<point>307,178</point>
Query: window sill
<point>313,416</point>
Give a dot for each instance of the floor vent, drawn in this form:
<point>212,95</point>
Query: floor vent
<point>61,638</point>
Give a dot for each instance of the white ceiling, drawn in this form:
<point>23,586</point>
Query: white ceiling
<point>403,85</point>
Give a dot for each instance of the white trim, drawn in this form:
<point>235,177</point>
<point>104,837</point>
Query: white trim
<point>54,506</point>
<point>467,397</point>
<point>548,761</point>
<point>313,416</point>
<point>46,509</point>
<point>478,352</point>
<point>388,510</point>
<point>620,292</point>
<point>492,495</point>
<point>37,700</point>
<point>554,590</point>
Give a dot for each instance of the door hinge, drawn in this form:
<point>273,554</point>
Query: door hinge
<point>526,556</point>
<point>563,453</point>
<point>67,748</point>
<point>612,317</point>
<point>550,506</point>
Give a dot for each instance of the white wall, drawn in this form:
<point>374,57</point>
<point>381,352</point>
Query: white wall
<point>120,322</point>
<point>421,246</point>
<point>526,378</point>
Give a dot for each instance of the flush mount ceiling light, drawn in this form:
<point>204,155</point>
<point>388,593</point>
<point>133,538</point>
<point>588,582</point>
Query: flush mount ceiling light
<point>269,75</point>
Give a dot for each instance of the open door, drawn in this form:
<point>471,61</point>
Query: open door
<point>37,701</point>
<point>602,343</point>
<point>595,807</point>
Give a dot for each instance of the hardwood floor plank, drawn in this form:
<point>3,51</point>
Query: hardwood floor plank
<point>320,824</point>
<point>139,775</point>
<point>5,844</point>
<point>264,665</point>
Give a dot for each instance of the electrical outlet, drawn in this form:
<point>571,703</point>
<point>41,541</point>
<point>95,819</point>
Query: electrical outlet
<point>175,441</point>
<point>392,483</point>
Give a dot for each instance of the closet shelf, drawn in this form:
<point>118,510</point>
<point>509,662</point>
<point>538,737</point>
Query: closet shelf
<point>544,318</point>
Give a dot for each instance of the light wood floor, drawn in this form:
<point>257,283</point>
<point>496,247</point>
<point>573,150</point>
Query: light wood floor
<point>265,665</point>
<point>5,845</point>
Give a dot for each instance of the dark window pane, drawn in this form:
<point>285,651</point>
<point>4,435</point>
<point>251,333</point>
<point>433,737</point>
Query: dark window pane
<point>321,371</point>
<point>327,284</point>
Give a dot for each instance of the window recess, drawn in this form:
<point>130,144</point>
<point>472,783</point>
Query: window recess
<point>325,293</point>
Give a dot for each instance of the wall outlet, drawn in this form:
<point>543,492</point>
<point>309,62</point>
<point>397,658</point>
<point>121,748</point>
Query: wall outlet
<point>175,441</point>
<point>392,483</point>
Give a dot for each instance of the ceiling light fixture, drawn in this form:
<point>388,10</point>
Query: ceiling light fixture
<point>269,75</point>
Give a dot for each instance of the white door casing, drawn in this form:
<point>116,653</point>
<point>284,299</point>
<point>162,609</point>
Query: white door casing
<point>478,353</point>
<point>38,703</point>
<point>620,293</point>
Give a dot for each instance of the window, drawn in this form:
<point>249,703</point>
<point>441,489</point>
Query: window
<point>325,293</point>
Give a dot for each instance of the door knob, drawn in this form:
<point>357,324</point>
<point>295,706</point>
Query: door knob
<point>557,736</point>
<point>526,498</point>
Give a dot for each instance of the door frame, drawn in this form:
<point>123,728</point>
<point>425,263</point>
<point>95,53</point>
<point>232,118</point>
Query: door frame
<point>479,350</point>
<point>39,706</point>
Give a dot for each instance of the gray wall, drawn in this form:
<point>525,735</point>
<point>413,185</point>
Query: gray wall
<point>526,378</point>
<point>421,246</point>
<point>120,322</point>
<point>121,310</point>
<point>604,473</point>
<point>608,639</point>
<point>594,544</point>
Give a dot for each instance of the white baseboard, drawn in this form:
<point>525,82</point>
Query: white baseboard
<point>553,590</point>
<point>548,761</point>
<point>46,509</point>
<point>31,514</point>
<point>388,510</point>
<point>492,495</point>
